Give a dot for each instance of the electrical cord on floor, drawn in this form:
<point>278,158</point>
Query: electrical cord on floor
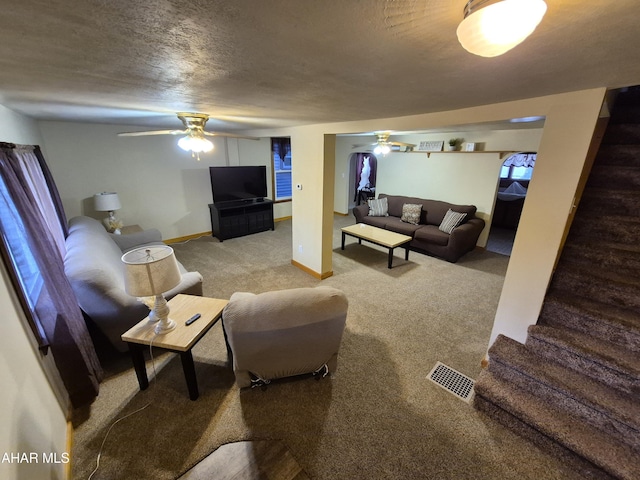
<point>155,379</point>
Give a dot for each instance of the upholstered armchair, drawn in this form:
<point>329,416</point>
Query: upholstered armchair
<point>284,333</point>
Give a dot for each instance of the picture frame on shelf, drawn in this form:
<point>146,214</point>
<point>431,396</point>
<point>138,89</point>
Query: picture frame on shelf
<point>470,147</point>
<point>430,146</point>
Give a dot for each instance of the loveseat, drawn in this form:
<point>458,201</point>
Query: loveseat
<point>94,267</point>
<point>427,236</point>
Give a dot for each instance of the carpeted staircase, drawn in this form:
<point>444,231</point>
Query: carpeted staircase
<point>574,387</point>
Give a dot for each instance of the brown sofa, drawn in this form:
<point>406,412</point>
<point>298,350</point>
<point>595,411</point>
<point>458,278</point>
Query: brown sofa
<point>427,237</point>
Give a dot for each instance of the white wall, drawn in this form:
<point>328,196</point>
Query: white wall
<point>160,186</point>
<point>32,419</point>
<point>308,170</point>
<point>16,128</point>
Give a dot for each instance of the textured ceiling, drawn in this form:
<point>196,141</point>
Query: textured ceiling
<point>256,63</point>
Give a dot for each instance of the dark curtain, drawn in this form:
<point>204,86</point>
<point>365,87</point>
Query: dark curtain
<point>281,145</point>
<point>56,307</point>
<point>368,188</point>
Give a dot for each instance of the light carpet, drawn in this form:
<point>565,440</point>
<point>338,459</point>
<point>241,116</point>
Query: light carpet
<point>378,417</point>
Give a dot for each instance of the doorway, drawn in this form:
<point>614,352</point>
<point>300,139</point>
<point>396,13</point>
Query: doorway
<point>515,176</point>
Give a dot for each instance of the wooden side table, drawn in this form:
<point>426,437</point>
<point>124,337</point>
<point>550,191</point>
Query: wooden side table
<point>180,340</point>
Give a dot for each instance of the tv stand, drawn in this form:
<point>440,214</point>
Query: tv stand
<point>238,218</point>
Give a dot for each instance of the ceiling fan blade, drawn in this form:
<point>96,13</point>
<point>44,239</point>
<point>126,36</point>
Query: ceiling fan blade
<point>231,135</point>
<point>153,132</point>
<point>400,144</point>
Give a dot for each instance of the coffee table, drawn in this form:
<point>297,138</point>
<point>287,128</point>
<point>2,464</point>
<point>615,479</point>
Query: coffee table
<point>180,340</point>
<point>378,236</point>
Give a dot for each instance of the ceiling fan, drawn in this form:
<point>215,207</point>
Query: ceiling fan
<point>384,146</point>
<point>194,134</point>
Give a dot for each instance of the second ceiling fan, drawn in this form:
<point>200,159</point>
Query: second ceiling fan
<point>383,145</point>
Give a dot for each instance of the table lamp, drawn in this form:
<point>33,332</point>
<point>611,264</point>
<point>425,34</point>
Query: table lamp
<point>108,202</point>
<point>151,271</point>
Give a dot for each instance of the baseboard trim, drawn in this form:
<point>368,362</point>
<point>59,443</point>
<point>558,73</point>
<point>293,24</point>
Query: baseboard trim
<point>187,238</point>
<point>313,273</point>
<point>206,234</point>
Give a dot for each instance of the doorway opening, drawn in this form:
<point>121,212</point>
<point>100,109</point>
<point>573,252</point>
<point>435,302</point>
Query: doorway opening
<point>515,176</point>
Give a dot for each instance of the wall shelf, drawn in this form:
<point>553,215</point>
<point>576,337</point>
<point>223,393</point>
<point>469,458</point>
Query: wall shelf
<point>502,153</point>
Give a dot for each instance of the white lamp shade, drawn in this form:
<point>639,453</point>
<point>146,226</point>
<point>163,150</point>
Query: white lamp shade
<point>150,270</point>
<point>497,28</point>
<point>106,202</point>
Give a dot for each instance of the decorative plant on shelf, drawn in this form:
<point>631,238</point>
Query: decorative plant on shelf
<point>454,142</point>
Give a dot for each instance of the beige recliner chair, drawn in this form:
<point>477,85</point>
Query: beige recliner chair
<point>284,333</point>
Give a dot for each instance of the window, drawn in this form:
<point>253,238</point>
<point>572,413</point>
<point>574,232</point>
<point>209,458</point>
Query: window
<point>19,252</point>
<point>20,261</point>
<point>518,166</point>
<point>281,154</point>
<point>516,173</point>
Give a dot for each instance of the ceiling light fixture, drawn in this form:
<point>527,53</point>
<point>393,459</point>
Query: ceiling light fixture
<point>381,149</point>
<point>493,27</point>
<point>196,143</point>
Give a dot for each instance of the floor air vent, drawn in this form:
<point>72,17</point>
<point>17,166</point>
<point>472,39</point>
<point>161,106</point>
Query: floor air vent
<point>452,381</point>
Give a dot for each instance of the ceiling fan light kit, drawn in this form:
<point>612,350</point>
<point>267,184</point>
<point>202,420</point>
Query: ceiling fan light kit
<point>195,144</point>
<point>194,140</point>
<point>493,27</point>
<point>381,149</point>
<point>383,145</point>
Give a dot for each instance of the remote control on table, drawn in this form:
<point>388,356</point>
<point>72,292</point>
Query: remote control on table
<point>192,319</point>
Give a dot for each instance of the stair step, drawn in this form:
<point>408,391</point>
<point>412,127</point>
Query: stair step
<point>618,177</point>
<point>614,155</point>
<point>612,228</point>
<point>604,361</point>
<point>597,283</point>
<point>622,134</point>
<point>624,259</point>
<point>611,411</point>
<point>600,201</point>
<point>602,450</point>
<point>617,325</point>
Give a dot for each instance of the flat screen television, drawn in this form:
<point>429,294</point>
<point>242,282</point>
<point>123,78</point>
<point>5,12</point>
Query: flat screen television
<point>247,183</point>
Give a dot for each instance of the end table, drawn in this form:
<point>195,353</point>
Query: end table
<point>180,340</point>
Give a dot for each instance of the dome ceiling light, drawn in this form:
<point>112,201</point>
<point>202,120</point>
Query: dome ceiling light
<point>493,27</point>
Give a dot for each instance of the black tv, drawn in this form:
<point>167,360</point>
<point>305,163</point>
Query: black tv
<point>243,183</point>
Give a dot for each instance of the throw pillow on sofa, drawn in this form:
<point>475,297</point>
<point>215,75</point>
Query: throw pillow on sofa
<point>411,213</point>
<point>378,207</point>
<point>451,220</point>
